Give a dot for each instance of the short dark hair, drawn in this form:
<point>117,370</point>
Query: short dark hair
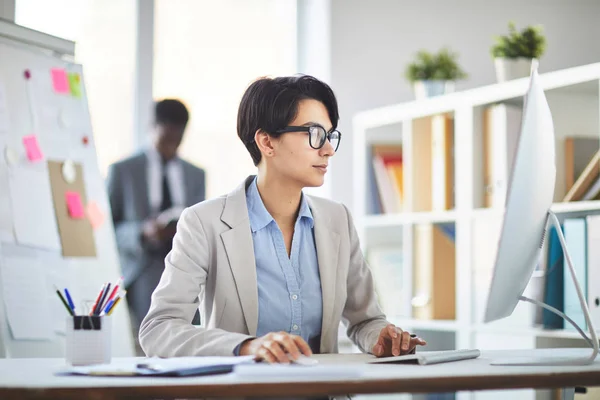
<point>171,111</point>
<point>270,104</point>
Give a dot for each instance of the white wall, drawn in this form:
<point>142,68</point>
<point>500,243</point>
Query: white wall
<point>372,41</point>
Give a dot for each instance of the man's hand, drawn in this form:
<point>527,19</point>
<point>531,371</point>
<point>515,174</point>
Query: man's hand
<point>393,341</point>
<point>157,233</point>
<point>275,347</point>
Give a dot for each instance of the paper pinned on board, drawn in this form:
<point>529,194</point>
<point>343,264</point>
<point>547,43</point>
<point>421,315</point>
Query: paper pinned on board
<point>32,148</point>
<point>60,82</point>
<point>75,84</point>
<point>74,205</point>
<point>24,290</point>
<point>32,207</point>
<point>95,214</point>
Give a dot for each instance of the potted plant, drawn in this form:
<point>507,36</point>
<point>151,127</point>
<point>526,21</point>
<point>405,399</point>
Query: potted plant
<point>434,74</point>
<point>514,52</point>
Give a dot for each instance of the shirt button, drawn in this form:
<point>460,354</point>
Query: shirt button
<point>294,297</point>
<point>295,327</point>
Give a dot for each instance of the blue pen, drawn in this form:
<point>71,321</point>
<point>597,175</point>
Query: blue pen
<point>108,305</point>
<point>70,300</point>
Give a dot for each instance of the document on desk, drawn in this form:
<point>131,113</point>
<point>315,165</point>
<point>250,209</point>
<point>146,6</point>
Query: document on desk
<point>176,366</point>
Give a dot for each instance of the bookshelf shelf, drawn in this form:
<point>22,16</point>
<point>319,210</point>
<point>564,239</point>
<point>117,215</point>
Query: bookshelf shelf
<point>466,167</point>
<point>534,331</point>
<point>419,324</point>
<point>386,220</point>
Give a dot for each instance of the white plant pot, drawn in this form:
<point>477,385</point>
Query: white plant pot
<point>425,89</point>
<point>512,68</point>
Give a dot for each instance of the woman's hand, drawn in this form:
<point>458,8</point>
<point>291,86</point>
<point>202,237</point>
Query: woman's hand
<point>275,347</point>
<point>393,341</point>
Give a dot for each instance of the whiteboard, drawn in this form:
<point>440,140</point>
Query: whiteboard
<point>62,126</point>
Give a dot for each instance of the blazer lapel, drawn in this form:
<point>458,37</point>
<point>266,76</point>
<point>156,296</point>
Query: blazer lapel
<point>141,188</point>
<point>240,253</point>
<point>328,245</point>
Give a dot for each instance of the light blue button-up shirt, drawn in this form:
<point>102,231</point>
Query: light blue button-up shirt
<point>289,288</point>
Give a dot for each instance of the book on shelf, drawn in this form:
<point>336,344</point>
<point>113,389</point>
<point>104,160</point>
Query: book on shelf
<point>442,162</point>
<point>501,129</point>
<point>593,268</point>
<point>579,150</point>
<point>575,231</point>
<point>386,162</point>
<point>586,180</point>
<point>434,272</point>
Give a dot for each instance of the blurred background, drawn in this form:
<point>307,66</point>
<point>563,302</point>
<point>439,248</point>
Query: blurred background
<point>430,103</point>
<point>207,53</point>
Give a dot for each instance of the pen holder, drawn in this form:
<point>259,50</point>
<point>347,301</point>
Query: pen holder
<point>88,340</point>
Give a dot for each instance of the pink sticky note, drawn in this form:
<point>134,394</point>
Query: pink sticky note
<point>95,215</point>
<point>60,81</point>
<point>74,205</point>
<point>32,148</point>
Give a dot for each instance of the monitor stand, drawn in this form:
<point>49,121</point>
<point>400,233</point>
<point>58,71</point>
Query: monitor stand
<point>560,356</point>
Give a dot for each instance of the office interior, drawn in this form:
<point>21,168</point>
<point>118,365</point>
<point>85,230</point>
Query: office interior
<point>428,211</point>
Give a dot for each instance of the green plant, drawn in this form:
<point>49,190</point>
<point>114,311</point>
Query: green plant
<point>529,43</point>
<point>441,66</point>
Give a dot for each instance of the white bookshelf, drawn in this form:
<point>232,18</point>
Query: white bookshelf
<point>573,96</point>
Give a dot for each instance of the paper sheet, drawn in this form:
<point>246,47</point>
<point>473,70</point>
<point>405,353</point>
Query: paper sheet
<point>6,218</point>
<point>60,82</point>
<point>24,291</point>
<point>95,214</point>
<point>4,121</point>
<point>32,206</point>
<point>59,274</point>
<point>76,233</point>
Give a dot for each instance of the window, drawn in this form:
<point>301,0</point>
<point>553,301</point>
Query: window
<point>105,33</point>
<point>206,54</point>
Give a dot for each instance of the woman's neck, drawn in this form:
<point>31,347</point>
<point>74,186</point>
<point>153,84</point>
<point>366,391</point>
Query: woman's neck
<point>281,200</point>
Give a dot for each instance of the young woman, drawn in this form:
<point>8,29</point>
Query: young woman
<point>273,270</point>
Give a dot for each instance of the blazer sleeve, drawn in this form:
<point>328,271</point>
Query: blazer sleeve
<point>362,315</point>
<point>167,331</point>
<point>128,233</point>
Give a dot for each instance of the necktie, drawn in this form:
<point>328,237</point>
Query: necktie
<point>166,202</point>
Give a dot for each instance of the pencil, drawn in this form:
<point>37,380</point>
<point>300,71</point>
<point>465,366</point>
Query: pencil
<point>60,296</point>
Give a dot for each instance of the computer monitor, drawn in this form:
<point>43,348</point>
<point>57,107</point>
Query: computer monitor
<point>529,197</point>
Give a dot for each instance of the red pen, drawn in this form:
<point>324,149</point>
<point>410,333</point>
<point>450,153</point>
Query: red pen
<point>115,290</point>
<point>98,299</point>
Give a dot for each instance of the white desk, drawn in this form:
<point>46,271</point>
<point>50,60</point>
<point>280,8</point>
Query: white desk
<point>35,379</point>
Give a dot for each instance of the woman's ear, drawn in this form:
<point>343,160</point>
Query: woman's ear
<point>264,143</point>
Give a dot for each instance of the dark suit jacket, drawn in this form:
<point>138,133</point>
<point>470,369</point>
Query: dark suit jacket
<point>129,201</point>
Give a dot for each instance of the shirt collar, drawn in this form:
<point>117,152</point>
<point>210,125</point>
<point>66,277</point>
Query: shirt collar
<point>260,217</point>
<point>155,157</point>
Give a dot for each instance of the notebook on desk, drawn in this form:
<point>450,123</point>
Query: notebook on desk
<point>429,357</point>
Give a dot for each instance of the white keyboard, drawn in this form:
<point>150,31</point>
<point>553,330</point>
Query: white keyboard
<point>430,357</point>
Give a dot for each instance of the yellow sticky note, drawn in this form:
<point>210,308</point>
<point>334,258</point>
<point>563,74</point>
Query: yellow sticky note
<point>74,84</point>
<point>94,214</point>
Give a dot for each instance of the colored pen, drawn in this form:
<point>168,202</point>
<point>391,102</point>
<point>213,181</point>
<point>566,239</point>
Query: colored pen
<point>64,301</point>
<point>107,308</point>
<point>102,298</point>
<point>115,290</point>
<point>97,299</point>
<point>113,306</point>
<point>70,300</point>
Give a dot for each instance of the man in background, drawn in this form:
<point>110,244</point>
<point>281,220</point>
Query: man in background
<point>147,193</point>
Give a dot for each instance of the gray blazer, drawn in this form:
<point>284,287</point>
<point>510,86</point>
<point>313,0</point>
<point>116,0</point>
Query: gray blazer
<point>129,201</point>
<point>212,265</point>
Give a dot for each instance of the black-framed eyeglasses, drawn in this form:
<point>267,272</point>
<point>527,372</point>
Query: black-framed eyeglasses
<point>316,135</point>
